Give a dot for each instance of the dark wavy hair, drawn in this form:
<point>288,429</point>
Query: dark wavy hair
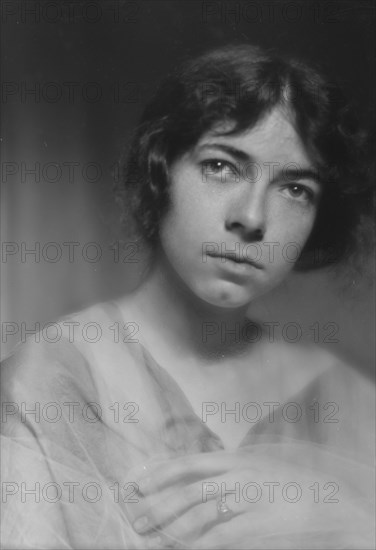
<point>241,83</point>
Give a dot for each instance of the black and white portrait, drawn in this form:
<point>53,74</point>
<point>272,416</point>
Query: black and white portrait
<point>187,264</point>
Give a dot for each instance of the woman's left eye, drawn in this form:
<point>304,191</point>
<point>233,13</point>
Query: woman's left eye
<point>299,192</point>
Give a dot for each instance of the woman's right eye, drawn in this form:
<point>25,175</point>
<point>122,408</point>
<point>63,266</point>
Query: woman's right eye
<point>219,167</point>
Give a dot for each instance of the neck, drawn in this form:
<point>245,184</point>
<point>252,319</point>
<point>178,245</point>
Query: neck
<point>185,322</point>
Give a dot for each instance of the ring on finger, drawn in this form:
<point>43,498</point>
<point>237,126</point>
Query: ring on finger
<point>224,512</point>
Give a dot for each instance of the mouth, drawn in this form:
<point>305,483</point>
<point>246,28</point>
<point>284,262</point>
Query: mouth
<point>231,257</point>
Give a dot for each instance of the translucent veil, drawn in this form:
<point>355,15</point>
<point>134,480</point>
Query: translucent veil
<point>77,433</point>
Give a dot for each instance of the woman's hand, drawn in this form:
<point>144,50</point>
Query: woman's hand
<point>264,493</point>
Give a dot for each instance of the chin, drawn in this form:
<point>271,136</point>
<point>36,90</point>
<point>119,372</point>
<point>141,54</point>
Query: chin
<point>226,295</point>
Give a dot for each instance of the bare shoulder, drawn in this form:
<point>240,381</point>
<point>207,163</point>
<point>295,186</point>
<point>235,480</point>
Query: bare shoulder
<point>62,353</point>
<point>299,362</point>
<point>339,379</point>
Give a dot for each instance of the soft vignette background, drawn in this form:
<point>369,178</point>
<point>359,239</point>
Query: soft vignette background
<point>140,52</point>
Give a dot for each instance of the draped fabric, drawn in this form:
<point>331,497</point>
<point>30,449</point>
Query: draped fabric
<point>104,407</point>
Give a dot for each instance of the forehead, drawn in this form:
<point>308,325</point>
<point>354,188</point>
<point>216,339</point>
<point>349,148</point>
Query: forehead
<point>272,139</point>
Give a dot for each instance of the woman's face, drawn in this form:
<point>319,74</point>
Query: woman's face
<point>243,207</point>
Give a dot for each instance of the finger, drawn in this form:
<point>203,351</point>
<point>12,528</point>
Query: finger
<point>189,468</point>
<point>224,536</point>
<point>189,527</point>
<point>165,507</point>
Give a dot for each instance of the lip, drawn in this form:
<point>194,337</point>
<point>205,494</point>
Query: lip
<point>230,260</point>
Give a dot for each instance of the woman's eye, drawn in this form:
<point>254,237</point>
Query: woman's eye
<point>217,167</point>
<point>300,192</point>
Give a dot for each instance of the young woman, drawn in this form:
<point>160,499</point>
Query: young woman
<point>178,423</point>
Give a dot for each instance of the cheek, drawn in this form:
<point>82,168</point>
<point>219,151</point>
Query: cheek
<point>178,233</point>
<point>188,220</point>
<point>185,200</point>
<point>289,231</point>
<point>299,231</point>
<point>292,224</point>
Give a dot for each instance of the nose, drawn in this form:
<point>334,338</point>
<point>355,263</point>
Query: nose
<point>247,215</point>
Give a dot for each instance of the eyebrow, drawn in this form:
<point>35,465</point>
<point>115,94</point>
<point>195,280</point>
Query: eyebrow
<point>302,174</point>
<point>233,151</point>
<point>289,174</point>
